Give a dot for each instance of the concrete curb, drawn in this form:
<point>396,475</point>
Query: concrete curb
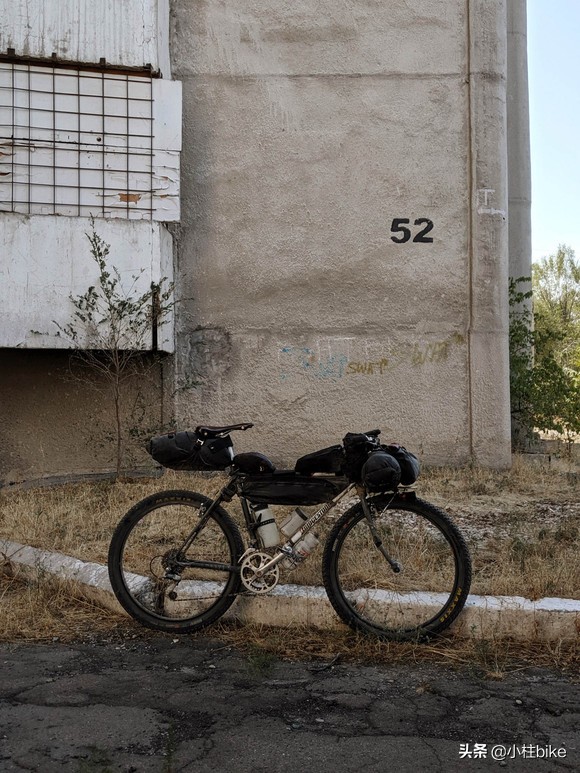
<point>484,617</point>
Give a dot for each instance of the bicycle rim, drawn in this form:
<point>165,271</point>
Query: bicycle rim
<point>424,596</point>
<point>152,548</point>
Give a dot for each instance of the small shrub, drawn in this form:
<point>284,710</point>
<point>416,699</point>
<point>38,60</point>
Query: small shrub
<point>110,327</point>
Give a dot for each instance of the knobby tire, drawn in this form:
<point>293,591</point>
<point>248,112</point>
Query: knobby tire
<point>429,592</point>
<point>137,556</point>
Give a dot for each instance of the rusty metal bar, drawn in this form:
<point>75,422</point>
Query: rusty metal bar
<point>147,71</point>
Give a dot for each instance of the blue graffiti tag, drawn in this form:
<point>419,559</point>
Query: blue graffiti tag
<point>332,367</point>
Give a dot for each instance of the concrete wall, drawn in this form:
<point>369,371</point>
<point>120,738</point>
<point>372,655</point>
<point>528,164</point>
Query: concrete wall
<point>518,128</point>
<point>308,128</point>
<point>56,418</point>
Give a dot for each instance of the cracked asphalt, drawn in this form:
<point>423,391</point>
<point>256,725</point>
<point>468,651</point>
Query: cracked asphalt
<point>195,705</point>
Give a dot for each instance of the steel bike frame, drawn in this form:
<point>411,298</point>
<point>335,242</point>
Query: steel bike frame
<point>282,551</point>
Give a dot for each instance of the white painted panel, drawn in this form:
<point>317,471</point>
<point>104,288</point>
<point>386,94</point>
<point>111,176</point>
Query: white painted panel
<point>46,259</point>
<point>167,114</point>
<point>166,331</point>
<point>166,185</point>
<point>131,34</point>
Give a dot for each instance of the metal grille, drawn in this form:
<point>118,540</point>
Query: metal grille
<point>75,142</point>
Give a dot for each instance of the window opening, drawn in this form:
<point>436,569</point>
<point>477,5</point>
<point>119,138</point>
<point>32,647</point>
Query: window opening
<point>76,141</point>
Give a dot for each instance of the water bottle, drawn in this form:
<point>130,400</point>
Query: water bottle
<point>301,550</point>
<point>293,522</point>
<point>306,545</point>
<point>267,529</point>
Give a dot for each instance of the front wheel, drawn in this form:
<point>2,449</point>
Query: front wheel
<point>171,567</point>
<point>360,565</point>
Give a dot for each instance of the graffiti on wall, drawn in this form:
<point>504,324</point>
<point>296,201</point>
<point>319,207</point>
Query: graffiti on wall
<point>332,359</point>
<point>435,351</point>
<point>368,367</point>
<point>326,366</point>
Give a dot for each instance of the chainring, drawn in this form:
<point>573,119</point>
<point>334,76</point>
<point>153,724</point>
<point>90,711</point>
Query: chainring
<point>251,565</point>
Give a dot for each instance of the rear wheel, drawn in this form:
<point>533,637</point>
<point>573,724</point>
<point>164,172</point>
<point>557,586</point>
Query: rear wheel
<point>418,601</point>
<point>161,580</point>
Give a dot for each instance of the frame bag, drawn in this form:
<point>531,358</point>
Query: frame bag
<point>289,488</point>
<point>328,460</point>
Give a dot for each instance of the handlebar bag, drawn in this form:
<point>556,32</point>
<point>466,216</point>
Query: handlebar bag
<point>381,472</point>
<point>408,462</point>
<point>181,451</point>
<point>357,448</point>
<point>288,488</point>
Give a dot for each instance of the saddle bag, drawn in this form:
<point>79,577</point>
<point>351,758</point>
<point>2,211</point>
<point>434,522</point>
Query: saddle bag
<point>181,451</point>
<point>289,488</point>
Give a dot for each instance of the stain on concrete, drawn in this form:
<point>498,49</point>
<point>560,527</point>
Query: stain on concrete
<point>209,354</point>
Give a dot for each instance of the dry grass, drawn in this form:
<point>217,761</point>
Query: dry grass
<point>78,519</point>
<point>523,527</point>
<point>490,657</point>
<point>525,481</point>
<point>51,610</point>
<point>46,608</point>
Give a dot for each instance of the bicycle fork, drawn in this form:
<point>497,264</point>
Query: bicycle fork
<point>393,563</point>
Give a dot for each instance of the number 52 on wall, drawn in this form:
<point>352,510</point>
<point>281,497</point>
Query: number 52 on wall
<point>399,227</point>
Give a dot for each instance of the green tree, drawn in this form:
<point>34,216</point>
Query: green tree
<point>545,389</point>
<point>556,290</point>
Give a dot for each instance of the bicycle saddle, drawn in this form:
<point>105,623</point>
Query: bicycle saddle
<point>207,432</point>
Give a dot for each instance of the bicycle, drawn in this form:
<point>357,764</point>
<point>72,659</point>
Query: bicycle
<point>393,565</point>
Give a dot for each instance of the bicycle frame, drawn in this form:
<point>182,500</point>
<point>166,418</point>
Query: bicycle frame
<point>282,551</point>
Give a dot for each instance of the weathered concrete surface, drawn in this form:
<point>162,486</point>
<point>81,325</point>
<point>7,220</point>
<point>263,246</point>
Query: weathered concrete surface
<point>489,428</point>
<point>483,617</point>
<point>518,135</point>
<point>52,422</point>
<point>307,130</point>
<point>157,705</point>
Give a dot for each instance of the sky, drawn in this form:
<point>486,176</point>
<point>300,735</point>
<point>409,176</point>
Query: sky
<point>554,84</point>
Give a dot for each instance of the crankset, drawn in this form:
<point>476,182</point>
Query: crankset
<point>254,578</point>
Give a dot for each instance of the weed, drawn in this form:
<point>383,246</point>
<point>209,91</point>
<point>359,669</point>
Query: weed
<point>260,661</point>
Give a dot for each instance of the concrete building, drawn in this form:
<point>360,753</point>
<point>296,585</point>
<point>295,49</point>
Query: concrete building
<point>337,191</point>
